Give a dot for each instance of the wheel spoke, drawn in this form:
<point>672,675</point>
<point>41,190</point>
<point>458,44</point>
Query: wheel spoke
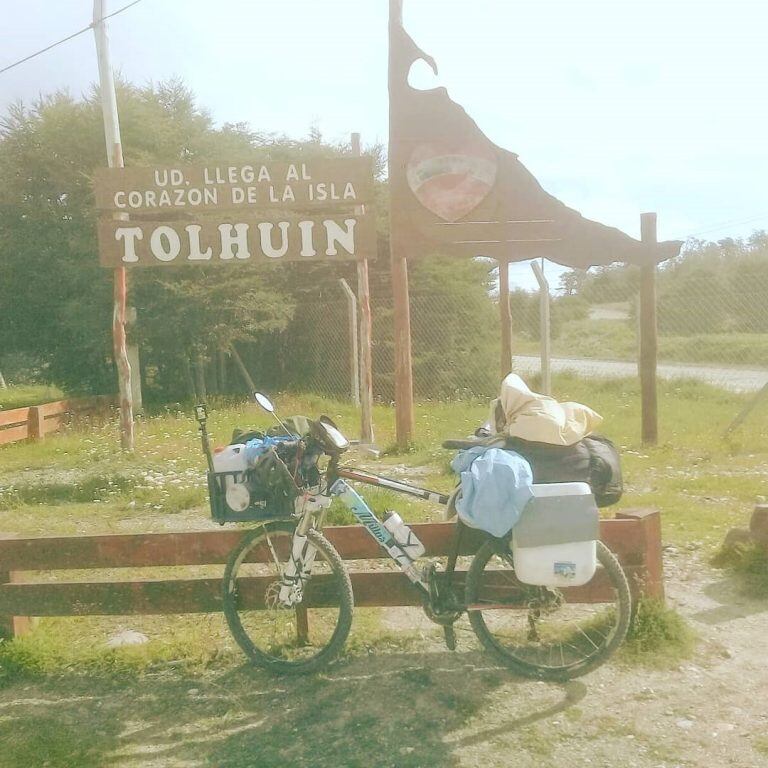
<point>553,638</point>
<point>287,637</point>
<point>274,554</point>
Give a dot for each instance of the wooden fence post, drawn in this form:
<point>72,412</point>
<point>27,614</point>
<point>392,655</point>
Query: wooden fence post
<point>36,423</point>
<point>650,534</point>
<point>648,332</point>
<point>12,626</point>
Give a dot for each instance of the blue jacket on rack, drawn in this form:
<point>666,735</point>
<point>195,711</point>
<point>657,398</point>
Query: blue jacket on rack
<point>495,487</point>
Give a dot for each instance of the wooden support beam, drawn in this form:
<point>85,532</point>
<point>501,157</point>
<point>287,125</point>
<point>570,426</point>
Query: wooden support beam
<point>649,580</point>
<point>10,625</point>
<point>302,624</point>
<point>404,415</point>
<point>354,347</point>
<point>624,536</point>
<point>203,595</point>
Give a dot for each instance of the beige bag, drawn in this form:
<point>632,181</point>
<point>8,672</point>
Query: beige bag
<point>518,412</point>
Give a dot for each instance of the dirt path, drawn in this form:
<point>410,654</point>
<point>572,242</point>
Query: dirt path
<point>426,709</point>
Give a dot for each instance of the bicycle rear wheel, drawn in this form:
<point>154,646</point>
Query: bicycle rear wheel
<point>301,638</point>
<point>542,632</point>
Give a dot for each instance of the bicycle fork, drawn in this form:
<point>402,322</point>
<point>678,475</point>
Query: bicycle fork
<point>298,569</point>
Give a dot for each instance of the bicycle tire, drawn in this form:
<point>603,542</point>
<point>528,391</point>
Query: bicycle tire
<point>267,659</point>
<point>512,657</point>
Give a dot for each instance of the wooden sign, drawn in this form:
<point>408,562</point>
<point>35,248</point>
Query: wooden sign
<point>279,186</point>
<point>453,191</point>
<point>236,213</point>
<point>228,239</point>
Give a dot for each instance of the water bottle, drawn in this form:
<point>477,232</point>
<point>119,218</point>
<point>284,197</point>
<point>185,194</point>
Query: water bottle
<point>403,535</point>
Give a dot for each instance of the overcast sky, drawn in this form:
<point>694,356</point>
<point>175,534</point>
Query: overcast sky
<point>617,106</point>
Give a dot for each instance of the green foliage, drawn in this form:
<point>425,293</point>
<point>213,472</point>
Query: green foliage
<point>20,397</point>
<point>748,563</point>
<point>601,285</point>
<point>658,636</point>
<point>455,331</point>
<point>681,310</point>
<point>289,323</point>
<point>564,312</point>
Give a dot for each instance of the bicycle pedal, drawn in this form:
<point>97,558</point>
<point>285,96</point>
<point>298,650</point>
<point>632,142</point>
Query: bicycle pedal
<point>449,634</point>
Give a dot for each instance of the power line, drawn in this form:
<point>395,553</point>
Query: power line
<point>68,38</point>
<point>726,224</point>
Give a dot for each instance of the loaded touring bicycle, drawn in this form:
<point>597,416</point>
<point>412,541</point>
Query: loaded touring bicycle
<point>547,599</point>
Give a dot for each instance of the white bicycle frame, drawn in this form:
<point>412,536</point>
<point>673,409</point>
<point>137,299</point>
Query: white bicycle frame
<point>299,566</point>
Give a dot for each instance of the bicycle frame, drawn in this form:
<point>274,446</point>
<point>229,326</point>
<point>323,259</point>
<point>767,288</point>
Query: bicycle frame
<point>299,566</point>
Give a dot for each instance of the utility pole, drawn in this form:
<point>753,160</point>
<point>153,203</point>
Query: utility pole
<point>115,160</point>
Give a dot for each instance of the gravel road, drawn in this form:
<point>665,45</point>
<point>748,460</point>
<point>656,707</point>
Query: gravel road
<point>734,379</point>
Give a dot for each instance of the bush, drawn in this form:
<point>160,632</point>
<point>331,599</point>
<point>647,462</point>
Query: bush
<point>683,308</point>
<point>749,563</point>
<point>525,309</point>
<point>659,635</point>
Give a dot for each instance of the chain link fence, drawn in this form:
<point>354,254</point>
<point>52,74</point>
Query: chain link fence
<point>712,324</point>
<point>710,330</point>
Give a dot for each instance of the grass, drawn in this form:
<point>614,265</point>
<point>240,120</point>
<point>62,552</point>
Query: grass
<point>78,482</point>
<point>659,636</point>
<point>617,340</point>
<point>19,397</point>
<point>760,744</point>
<point>749,564</point>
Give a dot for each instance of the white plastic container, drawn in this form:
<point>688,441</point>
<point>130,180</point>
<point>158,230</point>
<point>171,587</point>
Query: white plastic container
<point>554,544</point>
<point>232,459</point>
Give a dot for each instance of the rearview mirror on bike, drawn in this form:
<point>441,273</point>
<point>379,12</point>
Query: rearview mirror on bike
<point>264,402</point>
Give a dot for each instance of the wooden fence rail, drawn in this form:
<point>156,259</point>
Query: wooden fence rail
<point>35,422</point>
<point>633,535</point>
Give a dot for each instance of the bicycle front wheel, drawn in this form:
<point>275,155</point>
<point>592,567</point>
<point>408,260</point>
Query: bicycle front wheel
<point>542,632</point>
<point>301,638</point>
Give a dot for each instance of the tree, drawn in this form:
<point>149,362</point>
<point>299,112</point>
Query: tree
<point>55,299</point>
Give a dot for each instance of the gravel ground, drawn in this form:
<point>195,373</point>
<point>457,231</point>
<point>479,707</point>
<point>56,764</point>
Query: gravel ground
<point>430,708</point>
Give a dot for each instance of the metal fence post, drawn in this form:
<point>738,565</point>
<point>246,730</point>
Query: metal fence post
<point>544,328</point>
<point>648,333</point>
<point>354,360</point>
<point>365,333</point>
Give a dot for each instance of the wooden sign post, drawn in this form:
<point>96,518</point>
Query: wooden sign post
<point>238,213</point>
<point>454,192</point>
<point>115,160</point>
